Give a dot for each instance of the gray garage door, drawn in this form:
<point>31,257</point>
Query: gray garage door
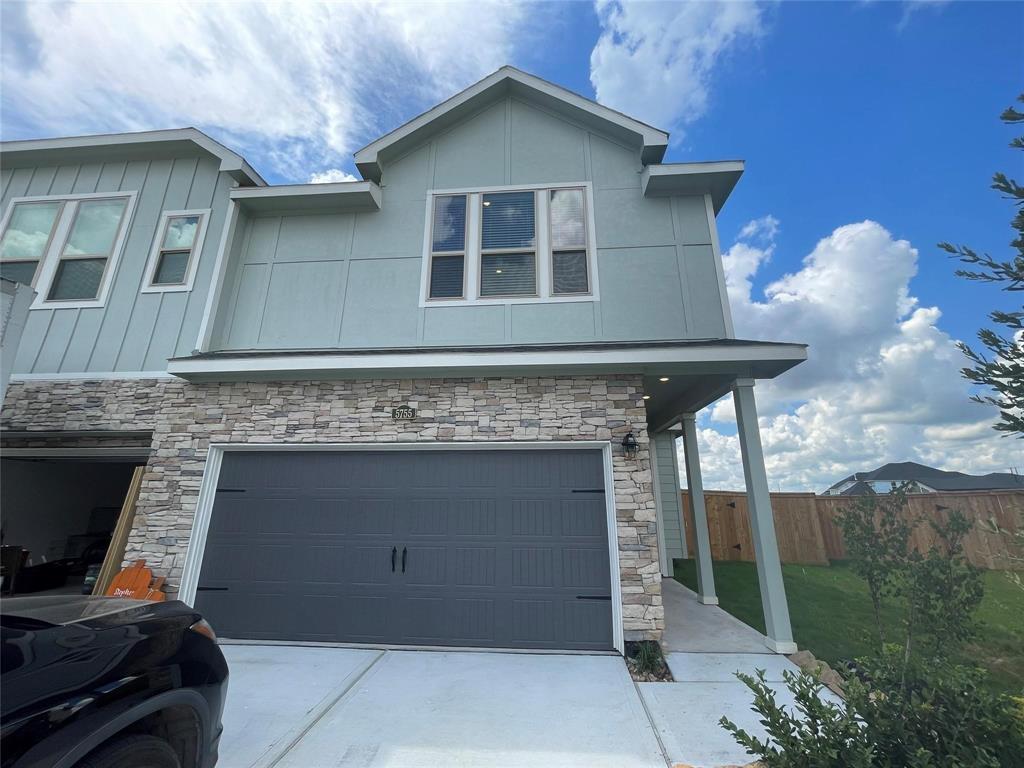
<point>465,548</point>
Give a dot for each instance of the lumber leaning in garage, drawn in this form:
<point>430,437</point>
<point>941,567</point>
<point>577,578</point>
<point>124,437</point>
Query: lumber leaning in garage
<point>115,552</point>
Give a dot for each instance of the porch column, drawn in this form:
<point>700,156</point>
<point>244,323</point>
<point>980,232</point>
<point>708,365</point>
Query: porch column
<point>695,485</point>
<point>762,523</point>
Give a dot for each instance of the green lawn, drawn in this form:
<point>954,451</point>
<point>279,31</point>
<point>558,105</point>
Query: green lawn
<point>831,614</point>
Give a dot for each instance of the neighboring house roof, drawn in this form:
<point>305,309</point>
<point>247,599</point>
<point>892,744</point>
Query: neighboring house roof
<point>509,80</point>
<point>144,144</point>
<point>859,483</point>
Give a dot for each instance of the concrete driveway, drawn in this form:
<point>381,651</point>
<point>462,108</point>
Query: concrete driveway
<point>305,707</point>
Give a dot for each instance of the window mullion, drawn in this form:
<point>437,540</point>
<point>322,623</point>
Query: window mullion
<point>473,246</point>
<point>57,242</point>
<point>543,243</point>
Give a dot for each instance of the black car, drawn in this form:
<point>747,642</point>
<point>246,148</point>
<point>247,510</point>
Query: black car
<point>100,682</point>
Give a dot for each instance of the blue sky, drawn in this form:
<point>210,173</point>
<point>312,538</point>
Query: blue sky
<point>870,132</point>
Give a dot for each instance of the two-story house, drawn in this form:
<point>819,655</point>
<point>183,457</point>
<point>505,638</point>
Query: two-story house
<point>437,406</point>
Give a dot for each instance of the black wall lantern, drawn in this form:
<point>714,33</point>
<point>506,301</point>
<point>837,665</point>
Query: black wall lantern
<point>630,445</point>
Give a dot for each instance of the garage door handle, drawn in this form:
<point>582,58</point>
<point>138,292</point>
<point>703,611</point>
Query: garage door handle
<point>394,551</point>
<point>404,553</point>
<point>593,597</point>
<point>211,589</point>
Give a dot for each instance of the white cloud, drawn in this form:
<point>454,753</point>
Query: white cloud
<point>331,176</point>
<point>911,7</point>
<point>655,61</point>
<point>298,85</point>
<point>882,381</point>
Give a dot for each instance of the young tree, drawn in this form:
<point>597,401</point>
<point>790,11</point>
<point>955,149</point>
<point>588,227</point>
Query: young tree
<point>1001,368</point>
<point>877,534</point>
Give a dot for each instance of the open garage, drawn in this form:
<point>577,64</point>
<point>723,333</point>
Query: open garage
<point>58,515</point>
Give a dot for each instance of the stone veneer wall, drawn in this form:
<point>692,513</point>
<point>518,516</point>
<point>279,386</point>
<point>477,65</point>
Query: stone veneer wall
<point>184,418</point>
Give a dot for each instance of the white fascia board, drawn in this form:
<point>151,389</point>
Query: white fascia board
<point>342,195</point>
<point>773,360</point>
<point>230,162</point>
<point>717,178</point>
<point>655,141</point>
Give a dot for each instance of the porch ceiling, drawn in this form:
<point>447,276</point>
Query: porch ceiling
<point>685,393</point>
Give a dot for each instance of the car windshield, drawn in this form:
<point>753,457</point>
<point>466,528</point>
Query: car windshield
<point>64,609</point>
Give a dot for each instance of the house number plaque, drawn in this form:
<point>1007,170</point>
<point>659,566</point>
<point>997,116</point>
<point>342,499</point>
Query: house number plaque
<point>403,413</point>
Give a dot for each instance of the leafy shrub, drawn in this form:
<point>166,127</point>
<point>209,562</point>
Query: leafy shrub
<point>818,734</point>
<point>934,714</point>
<point>927,716</point>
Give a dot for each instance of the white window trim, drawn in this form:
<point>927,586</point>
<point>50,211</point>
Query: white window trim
<point>543,248</point>
<point>193,257</point>
<point>431,253</point>
<point>50,260</point>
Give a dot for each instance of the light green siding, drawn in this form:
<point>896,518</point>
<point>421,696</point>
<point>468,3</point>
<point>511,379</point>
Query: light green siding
<point>133,331</point>
<point>670,507</point>
<point>655,263</point>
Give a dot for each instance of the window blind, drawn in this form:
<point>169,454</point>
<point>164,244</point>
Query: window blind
<point>508,220</point>
<point>508,274</point>
<point>446,276</point>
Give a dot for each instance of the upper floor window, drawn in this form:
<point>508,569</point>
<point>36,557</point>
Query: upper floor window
<point>26,239</point>
<point>448,248</point>
<point>66,247</point>
<point>510,245</point>
<point>176,248</point>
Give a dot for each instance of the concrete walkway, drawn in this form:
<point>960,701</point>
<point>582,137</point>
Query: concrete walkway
<point>302,707</point>
<point>705,647</point>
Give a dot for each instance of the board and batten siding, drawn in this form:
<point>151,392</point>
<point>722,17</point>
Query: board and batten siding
<point>303,280</point>
<point>669,504</point>
<point>133,331</point>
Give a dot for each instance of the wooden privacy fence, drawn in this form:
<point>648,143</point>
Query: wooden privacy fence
<point>807,533</point>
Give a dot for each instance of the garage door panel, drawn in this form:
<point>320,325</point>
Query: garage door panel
<point>535,517</point>
<point>499,546</point>
<point>367,565</point>
<point>426,517</point>
<point>423,619</point>
<point>533,621</point>
<point>583,519</point>
<point>364,618</point>
<point>473,517</point>
<point>533,567</point>
<point>369,517</point>
<point>473,621</point>
<point>475,566</point>
<point>584,620</point>
<point>585,568</point>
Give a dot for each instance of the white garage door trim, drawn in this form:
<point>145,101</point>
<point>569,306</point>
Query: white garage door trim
<point>211,474</point>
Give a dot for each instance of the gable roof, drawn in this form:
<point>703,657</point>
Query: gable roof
<point>141,143</point>
<point>936,479</point>
<point>509,80</point>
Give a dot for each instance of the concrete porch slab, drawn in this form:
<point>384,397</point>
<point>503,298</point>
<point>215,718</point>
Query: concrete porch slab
<point>722,667</point>
<point>691,626</point>
<point>276,692</point>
